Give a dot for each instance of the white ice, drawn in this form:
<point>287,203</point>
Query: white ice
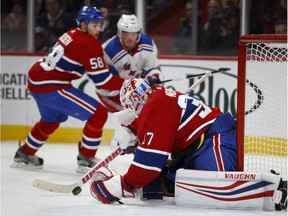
<point>20,198</point>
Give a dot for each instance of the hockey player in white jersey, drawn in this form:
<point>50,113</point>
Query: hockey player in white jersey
<point>130,54</point>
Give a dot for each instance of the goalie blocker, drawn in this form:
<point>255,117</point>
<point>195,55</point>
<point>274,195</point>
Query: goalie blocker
<point>230,190</point>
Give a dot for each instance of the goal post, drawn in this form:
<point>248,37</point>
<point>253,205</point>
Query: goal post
<point>262,103</point>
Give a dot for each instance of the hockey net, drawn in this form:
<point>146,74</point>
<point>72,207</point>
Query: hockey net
<point>262,104</point>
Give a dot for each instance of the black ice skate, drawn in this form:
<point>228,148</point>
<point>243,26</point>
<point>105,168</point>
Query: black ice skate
<point>23,160</point>
<point>85,163</point>
<point>283,202</point>
<point>282,205</point>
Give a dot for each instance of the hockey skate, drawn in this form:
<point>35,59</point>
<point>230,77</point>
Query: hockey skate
<point>283,202</point>
<point>85,163</point>
<point>282,205</point>
<point>28,161</point>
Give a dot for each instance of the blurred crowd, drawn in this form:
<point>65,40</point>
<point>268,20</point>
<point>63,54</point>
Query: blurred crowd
<point>218,32</point>
<point>218,23</point>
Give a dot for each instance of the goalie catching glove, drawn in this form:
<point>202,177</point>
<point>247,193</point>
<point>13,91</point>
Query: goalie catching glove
<point>109,188</point>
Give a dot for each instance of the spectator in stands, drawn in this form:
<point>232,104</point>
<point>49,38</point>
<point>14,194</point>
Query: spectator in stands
<point>183,37</point>
<point>254,24</point>
<point>114,12</point>
<point>73,6</point>
<point>222,33</point>
<point>40,40</point>
<point>215,11</point>
<point>125,7</point>
<point>280,27</point>
<point>105,7</point>
<point>154,6</point>
<point>55,20</point>
<point>39,7</point>
<point>14,27</point>
<point>214,8</point>
<point>17,19</point>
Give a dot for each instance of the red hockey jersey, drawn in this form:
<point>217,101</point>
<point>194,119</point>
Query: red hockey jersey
<point>75,53</point>
<point>168,123</point>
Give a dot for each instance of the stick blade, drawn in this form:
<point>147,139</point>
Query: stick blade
<point>53,187</point>
<point>224,69</point>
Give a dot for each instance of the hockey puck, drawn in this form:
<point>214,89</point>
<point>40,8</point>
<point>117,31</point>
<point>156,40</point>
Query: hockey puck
<point>76,190</point>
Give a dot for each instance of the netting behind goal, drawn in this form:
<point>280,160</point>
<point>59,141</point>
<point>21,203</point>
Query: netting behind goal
<point>262,103</point>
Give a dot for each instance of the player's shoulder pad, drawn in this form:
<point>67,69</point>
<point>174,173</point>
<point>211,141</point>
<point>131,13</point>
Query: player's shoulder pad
<point>84,41</point>
<point>146,39</point>
<point>112,46</point>
<point>158,94</point>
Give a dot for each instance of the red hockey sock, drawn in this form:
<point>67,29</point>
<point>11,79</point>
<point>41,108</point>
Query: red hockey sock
<point>38,135</point>
<point>93,131</point>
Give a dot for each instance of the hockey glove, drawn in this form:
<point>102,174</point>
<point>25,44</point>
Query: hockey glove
<point>110,190</point>
<point>103,173</point>
<point>124,138</point>
<point>153,80</point>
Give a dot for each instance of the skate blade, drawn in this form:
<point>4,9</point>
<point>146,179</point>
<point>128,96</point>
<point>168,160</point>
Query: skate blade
<point>25,166</point>
<point>82,169</point>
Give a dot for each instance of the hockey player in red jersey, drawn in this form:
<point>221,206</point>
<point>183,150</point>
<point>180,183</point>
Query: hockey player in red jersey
<point>202,143</point>
<point>77,52</point>
<point>168,122</point>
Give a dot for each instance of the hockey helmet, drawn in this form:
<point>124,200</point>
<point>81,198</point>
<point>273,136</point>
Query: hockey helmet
<point>134,94</point>
<point>87,14</point>
<point>128,23</point>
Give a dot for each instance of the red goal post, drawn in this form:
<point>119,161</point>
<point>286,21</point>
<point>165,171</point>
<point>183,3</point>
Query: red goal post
<point>262,103</point>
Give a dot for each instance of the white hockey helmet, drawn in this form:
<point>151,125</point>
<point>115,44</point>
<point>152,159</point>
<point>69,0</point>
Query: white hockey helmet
<point>128,23</point>
<point>134,94</point>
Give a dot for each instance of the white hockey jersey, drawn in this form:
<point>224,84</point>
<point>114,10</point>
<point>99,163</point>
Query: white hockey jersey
<point>140,62</point>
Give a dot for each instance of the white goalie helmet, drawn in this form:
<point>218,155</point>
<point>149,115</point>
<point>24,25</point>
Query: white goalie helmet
<point>134,94</point>
<point>128,23</point>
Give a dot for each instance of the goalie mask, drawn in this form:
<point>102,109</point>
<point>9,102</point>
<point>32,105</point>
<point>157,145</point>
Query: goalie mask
<point>134,94</point>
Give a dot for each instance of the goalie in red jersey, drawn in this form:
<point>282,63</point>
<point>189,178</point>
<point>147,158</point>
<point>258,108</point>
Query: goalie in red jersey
<point>76,52</point>
<point>202,143</point>
<point>168,122</point>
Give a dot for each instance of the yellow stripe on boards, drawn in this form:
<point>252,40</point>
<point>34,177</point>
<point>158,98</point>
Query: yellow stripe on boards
<point>61,135</point>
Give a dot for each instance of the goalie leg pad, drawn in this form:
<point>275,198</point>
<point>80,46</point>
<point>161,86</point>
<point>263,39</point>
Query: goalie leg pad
<point>226,190</point>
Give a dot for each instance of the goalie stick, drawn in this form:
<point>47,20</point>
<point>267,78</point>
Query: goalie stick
<point>194,75</point>
<point>75,187</point>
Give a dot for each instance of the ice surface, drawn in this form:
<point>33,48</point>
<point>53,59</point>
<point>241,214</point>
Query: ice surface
<point>19,198</point>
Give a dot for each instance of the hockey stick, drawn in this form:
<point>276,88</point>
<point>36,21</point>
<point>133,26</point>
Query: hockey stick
<point>193,75</point>
<point>75,187</point>
<point>205,76</point>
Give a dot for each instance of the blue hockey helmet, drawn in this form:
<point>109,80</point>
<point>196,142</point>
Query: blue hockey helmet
<point>87,14</point>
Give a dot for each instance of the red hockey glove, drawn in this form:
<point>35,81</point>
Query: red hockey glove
<point>110,190</point>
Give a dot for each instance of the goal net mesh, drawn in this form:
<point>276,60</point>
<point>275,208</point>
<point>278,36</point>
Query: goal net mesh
<point>265,127</point>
